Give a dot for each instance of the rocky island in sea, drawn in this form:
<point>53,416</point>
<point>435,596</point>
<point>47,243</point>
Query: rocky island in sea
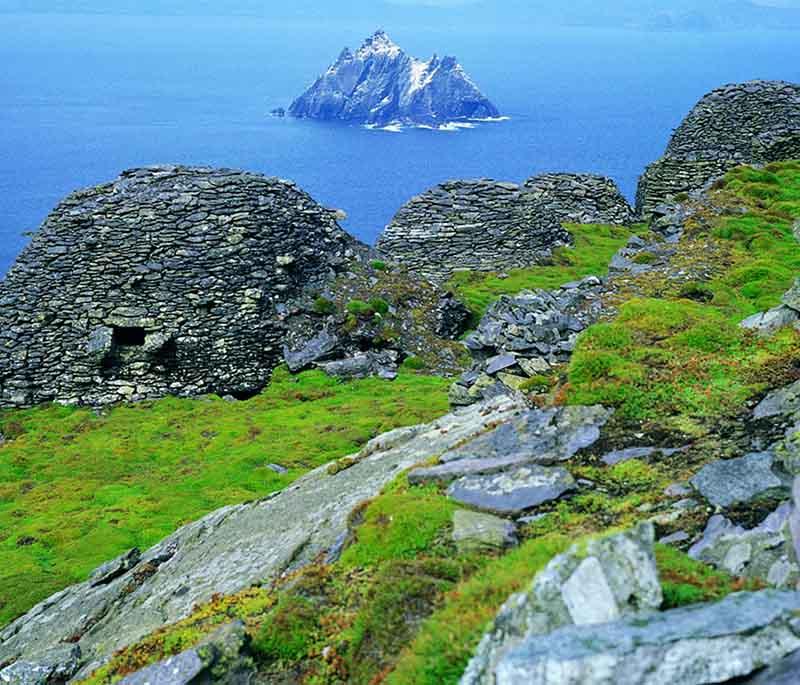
<point>380,85</point>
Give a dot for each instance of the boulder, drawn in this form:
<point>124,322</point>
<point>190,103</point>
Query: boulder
<point>320,346</point>
<point>730,481</point>
<point>765,552</point>
<point>473,531</point>
<point>219,659</point>
<point>514,491</point>
<point>769,322</point>
<point>53,667</point>
<point>782,402</point>
<point>610,578</point>
<point>696,645</point>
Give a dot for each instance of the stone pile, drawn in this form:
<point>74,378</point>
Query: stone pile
<point>524,336</point>
<point>748,123</point>
<point>486,225</point>
<point>165,281</point>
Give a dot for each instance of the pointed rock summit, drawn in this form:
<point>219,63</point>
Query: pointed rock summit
<point>380,84</point>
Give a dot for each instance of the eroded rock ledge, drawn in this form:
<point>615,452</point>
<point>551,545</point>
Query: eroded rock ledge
<point>487,225</point>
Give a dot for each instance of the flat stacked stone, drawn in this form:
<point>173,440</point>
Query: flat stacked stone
<point>756,122</point>
<point>165,281</point>
<point>486,225</point>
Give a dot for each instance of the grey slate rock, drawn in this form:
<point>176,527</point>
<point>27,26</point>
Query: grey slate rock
<point>113,569</point>
<point>765,552</point>
<point>769,322</point>
<point>781,402</point>
<point>611,577</point>
<point>319,347</point>
<point>216,659</point>
<point>444,473</point>
<point>54,667</point>
<point>730,481</point>
<point>545,436</point>
<point>512,492</point>
<point>499,363</point>
<point>473,531</point>
<point>783,672</point>
<point>691,646</point>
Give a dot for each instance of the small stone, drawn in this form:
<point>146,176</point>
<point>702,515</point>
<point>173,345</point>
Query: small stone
<point>513,492</point>
<point>473,531</point>
<point>499,363</point>
<point>277,468</point>
<point>727,482</point>
<point>674,538</point>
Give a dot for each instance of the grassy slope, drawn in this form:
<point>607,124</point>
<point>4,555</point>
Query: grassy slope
<point>594,246</point>
<point>76,489</point>
<point>670,357</point>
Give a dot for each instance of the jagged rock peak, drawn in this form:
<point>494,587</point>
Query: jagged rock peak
<point>755,122</point>
<point>380,84</point>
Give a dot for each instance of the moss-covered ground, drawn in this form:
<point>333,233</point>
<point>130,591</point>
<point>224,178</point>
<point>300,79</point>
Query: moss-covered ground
<point>592,250</point>
<point>78,488</point>
<point>675,353</point>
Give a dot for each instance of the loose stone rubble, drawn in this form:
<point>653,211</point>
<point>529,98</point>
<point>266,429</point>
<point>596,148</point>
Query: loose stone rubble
<point>486,225</point>
<point>746,123</point>
<point>165,281</point>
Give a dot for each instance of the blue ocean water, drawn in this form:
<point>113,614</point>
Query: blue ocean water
<point>83,97</point>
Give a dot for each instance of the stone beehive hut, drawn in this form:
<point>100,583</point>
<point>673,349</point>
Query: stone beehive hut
<point>748,123</point>
<point>166,281</point>
<point>486,225</point>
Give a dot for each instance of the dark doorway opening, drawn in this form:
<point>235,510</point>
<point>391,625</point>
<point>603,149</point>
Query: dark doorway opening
<point>128,336</point>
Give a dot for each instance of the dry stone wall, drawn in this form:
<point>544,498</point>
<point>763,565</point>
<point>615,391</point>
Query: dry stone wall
<point>486,225</point>
<point>748,123</point>
<point>165,281</point>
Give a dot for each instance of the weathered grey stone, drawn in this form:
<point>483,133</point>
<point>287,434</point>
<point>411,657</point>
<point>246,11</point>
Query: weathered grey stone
<point>164,281</point>
<point>444,473</point>
<point>381,364</point>
<point>619,456</point>
<point>514,491</point>
<point>769,322</point>
<point>747,123</point>
<point>474,531</point>
<point>611,578</point>
<point>691,646</point>
<point>675,538</point>
<point>780,402</point>
<point>792,297</point>
<point>783,672</point>
<point>234,547</point>
<point>319,347</point>
<point>115,568</point>
<point>484,225</point>
<point>545,436</point>
<point>53,667</point>
<point>765,552</point>
<point>216,659</point>
<point>727,482</point>
<point>499,363</point>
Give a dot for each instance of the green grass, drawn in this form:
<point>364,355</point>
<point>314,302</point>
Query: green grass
<point>594,246</point>
<point>677,359</point>
<point>77,489</point>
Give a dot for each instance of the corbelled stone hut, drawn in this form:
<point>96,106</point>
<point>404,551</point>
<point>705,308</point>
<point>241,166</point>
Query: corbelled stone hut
<point>486,225</point>
<point>168,280</point>
<point>747,123</point>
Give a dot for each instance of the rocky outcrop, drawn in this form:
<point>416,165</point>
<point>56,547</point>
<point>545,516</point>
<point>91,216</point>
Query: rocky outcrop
<point>165,281</point>
<point>486,225</point>
<point>380,84</point>
<point>695,645</point>
<point>227,551</point>
<point>609,579</point>
<point>748,123</point>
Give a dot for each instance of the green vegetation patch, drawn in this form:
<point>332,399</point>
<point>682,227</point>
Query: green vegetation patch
<point>682,357</point>
<point>77,489</point>
<point>592,250</point>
